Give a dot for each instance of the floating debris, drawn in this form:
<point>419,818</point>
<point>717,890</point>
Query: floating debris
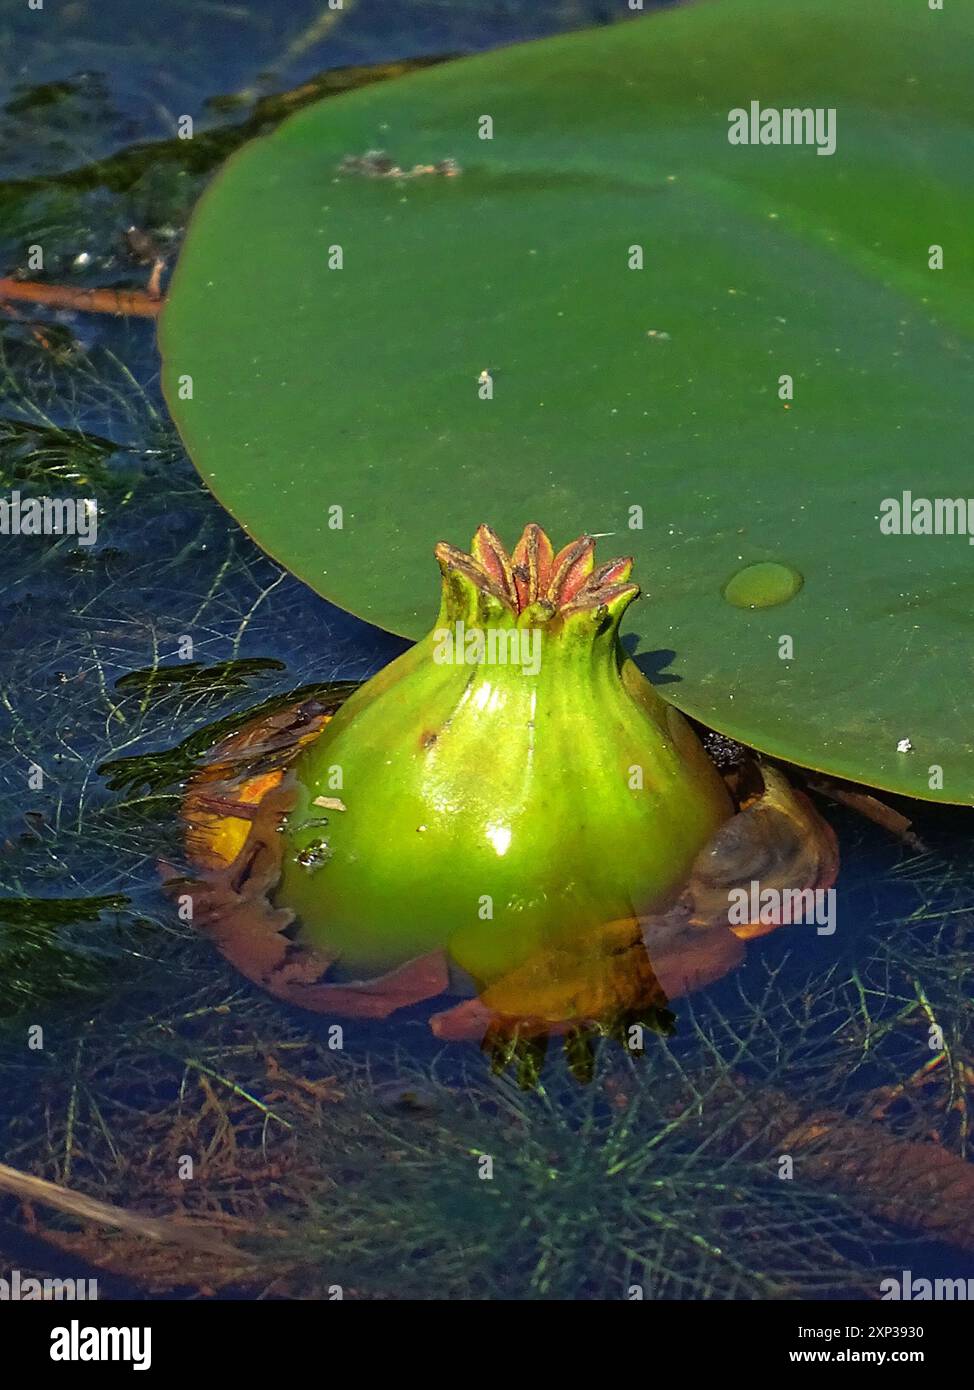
<point>376,164</point>
<point>313,856</point>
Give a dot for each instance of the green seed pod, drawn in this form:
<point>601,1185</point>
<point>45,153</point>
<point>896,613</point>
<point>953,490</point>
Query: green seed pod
<point>510,782</point>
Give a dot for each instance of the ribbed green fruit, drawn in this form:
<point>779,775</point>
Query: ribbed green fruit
<point>511,780</point>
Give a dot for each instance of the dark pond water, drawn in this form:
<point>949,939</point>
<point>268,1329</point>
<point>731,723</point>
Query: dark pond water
<point>136,1066</point>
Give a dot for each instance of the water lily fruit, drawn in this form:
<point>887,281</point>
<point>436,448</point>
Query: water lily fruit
<point>511,782</point>
<point>508,812</point>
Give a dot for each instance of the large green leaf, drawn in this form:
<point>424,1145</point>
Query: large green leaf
<point>615,388</point>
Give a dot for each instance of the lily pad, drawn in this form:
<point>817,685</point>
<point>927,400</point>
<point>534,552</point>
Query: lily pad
<point>315,387</point>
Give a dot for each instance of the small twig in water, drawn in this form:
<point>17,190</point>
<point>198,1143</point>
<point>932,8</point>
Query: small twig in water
<point>140,303</point>
<point>49,1194</point>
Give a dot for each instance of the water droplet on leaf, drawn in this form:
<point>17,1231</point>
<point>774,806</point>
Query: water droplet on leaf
<point>763,585</point>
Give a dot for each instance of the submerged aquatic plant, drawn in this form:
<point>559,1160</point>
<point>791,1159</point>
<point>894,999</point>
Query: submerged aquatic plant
<point>395,1176</point>
<point>511,781</point>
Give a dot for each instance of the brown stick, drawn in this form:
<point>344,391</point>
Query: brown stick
<point>49,1194</point>
<point>907,1181</point>
<point>137,302</point>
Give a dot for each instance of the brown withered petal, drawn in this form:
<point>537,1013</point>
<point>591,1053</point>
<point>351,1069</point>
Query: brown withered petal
<point>777,839</point>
